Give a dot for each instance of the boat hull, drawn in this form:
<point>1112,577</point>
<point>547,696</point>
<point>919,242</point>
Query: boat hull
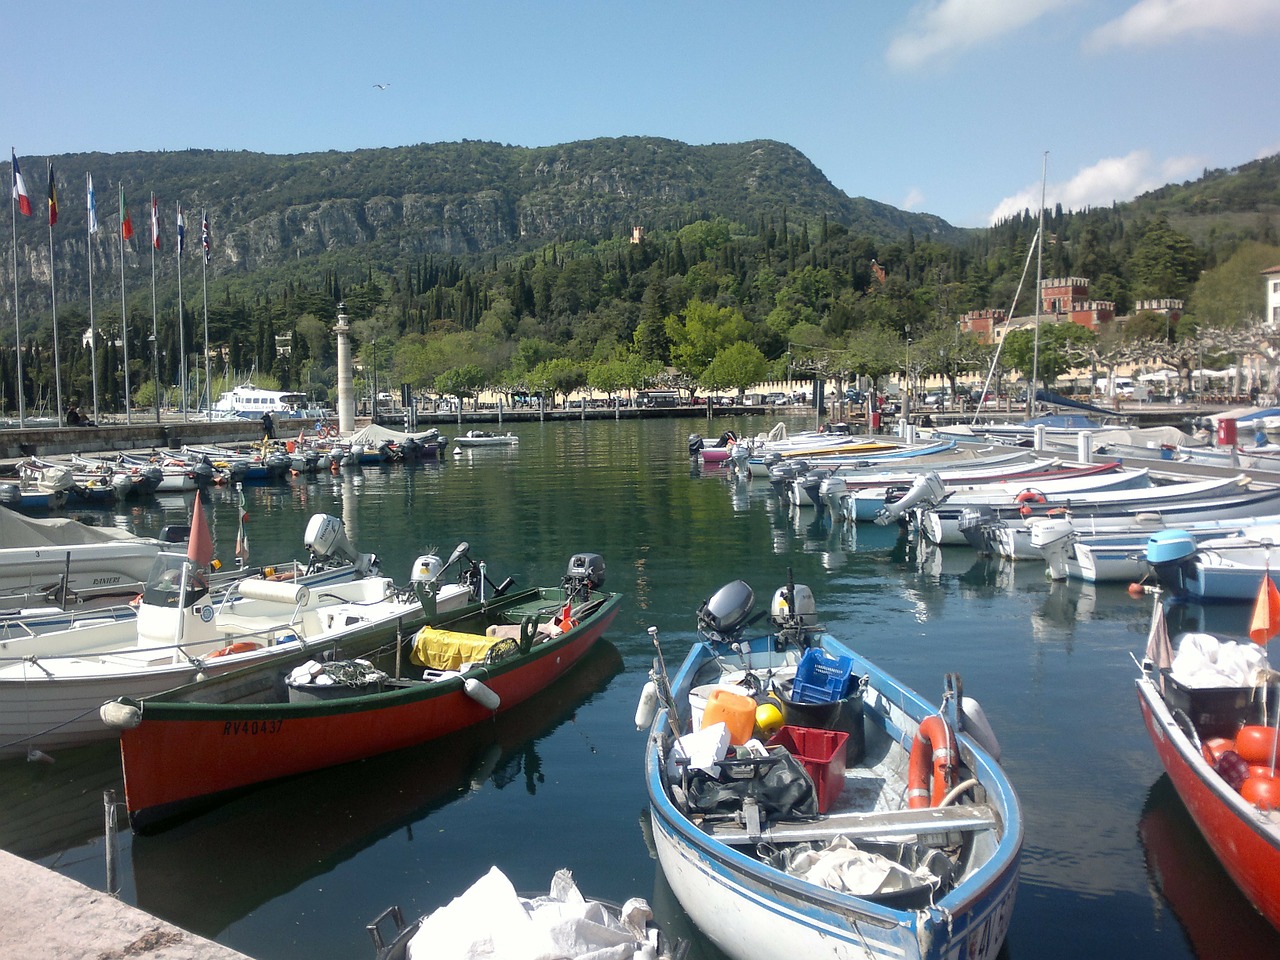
<point>1241,838</point>
<point>183,752</point>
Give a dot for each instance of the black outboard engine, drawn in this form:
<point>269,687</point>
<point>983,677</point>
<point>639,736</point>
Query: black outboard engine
<point>585,574</point>
<point>696,443</point>
<point>723,615</point>
<point>727,438</point>
<point>812,485</point>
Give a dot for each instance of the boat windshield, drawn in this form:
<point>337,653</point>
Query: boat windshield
<point>164,585</point>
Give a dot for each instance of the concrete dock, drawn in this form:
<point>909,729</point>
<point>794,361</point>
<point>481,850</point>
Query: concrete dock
<point>47,916</point>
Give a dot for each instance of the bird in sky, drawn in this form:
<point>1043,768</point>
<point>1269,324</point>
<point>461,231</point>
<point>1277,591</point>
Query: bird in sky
<point>382,86</point>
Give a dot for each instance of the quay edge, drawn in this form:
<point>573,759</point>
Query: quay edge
<point>53,917</point>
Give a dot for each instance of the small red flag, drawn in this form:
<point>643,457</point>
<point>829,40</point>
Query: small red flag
<point>200,546</point>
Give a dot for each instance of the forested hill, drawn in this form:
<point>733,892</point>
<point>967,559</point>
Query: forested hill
<point>387,207</point>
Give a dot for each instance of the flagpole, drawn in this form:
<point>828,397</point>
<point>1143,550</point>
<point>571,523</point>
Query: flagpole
<point>53,294</point>
<point>124,314</point>
<point>204,284</point>
<point>182,332</point>
<point>155,340</point>
<point>91,225</point>
<point>17,325</point>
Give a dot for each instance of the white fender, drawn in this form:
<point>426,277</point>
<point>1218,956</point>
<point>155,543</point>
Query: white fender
<point>481,694</point>
<point>120,716</point>
<point>648,705</point>
<point>977,726</point>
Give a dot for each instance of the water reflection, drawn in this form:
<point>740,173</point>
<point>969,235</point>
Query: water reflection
<point>273,839</point>
<point>1186,877</point>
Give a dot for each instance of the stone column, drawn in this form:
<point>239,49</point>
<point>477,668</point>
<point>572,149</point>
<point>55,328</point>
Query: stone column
<point>346,389</point>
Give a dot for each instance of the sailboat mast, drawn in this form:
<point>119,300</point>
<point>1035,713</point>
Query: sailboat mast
<point>1035,352</point>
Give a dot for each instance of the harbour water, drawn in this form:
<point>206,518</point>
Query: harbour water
<point>1112,866</point>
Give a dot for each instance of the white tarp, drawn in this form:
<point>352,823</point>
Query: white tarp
<point>491,921</point>
<point>374,435</point>
<point>19,531</point>
<point>1203,660</point>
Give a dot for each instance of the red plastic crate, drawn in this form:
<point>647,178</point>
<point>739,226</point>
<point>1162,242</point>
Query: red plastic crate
<point>821,753</point>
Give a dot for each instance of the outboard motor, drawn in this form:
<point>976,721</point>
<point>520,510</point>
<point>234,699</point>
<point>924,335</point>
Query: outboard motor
<point>696,444</point>
<point>1170,554</point>
<point>974,523</point>
<point>584,575</point>
<point>782,476</point>
<point>723,615</point>
<point>326,540</point>
<point>1052,536</point>
<point>928,488</point>
<point>811,484</point>
<point>727,438</point>
<point>793,606</point>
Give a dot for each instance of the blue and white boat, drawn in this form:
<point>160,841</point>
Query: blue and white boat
<point>251,402</point>
<point>1213,569</point>
<point>920,832</point>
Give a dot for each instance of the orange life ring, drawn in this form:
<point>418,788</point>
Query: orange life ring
<point>242,646</point>
<point>934,747</point>
<point>329,432</point>
<point>1027,498</point>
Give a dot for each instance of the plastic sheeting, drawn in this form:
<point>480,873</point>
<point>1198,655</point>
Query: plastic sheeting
<point>1203,660</point>
<point>490,920</point>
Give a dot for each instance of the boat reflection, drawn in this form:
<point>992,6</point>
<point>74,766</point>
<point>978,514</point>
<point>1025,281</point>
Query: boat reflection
<point>1214,915</point>
<point>50,808</point>
<point>269,841</point>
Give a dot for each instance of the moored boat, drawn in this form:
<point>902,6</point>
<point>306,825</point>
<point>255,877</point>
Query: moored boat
<point>921,843</point>
<point>1216,743</point>
<point>196,743</point>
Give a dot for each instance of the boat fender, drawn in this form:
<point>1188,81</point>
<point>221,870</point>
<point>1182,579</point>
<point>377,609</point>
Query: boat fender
<point>648,705</point>
<point>1263,792</point>
<point>934,747</point>
<point>481,694</point>
<point>975,724</point>
<point>120,716</point>
<point>242,646</point>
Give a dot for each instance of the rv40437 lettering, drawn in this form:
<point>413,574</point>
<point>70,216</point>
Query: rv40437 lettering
<point>238,727</point>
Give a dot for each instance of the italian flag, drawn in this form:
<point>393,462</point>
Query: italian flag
<point>126,222</point>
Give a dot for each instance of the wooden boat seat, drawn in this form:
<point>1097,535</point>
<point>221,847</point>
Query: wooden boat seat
<point>866,826</point>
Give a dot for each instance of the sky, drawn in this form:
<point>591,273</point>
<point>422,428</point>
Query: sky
<point>958,108</point>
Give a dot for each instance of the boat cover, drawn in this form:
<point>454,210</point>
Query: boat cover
<point>447,650</point>
<point>375,435</point>
<point>491,920</point>
<point>19,531</point>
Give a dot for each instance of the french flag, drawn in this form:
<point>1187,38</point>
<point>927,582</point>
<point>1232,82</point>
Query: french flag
<point>20,188</point>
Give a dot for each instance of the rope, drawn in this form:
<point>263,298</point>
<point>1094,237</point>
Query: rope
<point>54,728</point>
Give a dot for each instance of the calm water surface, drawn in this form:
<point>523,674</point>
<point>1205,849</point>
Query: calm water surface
<point>1112,866</point>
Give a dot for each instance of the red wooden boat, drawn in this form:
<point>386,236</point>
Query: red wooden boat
<point>194,744</point>
<point>1245,837</point>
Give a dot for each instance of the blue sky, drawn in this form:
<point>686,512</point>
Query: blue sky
<point>939,106</point>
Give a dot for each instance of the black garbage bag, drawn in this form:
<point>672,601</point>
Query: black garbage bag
<point>778,783</point>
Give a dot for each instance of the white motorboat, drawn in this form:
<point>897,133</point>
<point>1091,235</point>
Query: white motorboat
<point>483,438</point>
<point>52,684</point>
<point>873,823</point>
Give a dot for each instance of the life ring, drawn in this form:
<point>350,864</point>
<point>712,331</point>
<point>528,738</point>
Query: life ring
<point>242,646</point>
<point>1026,498</point>
<point>934,747</point>
<point>329,432</point>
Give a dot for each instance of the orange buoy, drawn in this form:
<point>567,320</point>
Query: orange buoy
<point>1256,744</point>
<point>1263,792</point>
<point>241,646</point>
<point>934,747</point>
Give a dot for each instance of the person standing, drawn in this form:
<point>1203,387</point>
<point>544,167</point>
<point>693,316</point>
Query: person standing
<point>268,426</point>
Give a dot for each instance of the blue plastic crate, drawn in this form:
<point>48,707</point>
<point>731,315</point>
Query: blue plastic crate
<point>821,679</point>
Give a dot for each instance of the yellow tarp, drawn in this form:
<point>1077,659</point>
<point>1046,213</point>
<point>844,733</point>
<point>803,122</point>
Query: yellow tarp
<point>446,650</point>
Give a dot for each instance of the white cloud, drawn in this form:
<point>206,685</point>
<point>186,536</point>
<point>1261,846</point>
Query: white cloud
<point>914,199</point>
<point>936,28</point>
<point>1153,22</point>
<point>1112,179</point>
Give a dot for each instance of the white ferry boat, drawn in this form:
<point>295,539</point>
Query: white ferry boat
<point>251,402</point>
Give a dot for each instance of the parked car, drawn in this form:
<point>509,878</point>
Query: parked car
<point>855,396</point>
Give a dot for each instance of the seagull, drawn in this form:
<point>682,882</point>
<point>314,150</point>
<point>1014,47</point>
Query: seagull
<point>382,86</point>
